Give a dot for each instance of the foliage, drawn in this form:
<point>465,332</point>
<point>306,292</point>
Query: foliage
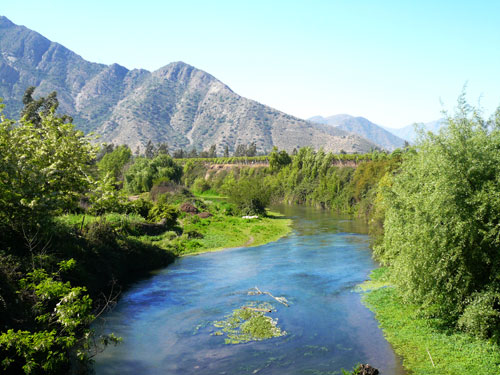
<point>278,160</point>
<point>35,109</point>
<point>113,163</point>
<point>417,338</point>
<point>200,185</point>
<point>106,198</point>
<point>144,173</point>
<point>245,325</point>
<point>62,313</point>
<point>44,169</point>
<point>250,195</point>
<point>442,223</point>
<point>162,211</point>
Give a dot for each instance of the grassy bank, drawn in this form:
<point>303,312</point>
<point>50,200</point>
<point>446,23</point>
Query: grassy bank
<point>229,232</point>
<point>196,235</point>
<point>418,339</point>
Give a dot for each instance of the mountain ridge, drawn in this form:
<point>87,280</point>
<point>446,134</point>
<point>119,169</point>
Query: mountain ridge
<point>363,127</point>
<point>178,104</point>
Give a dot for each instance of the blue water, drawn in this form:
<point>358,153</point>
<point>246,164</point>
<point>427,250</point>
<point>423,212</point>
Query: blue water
<point>165,321</point>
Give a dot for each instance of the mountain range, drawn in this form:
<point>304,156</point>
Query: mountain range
<point>363,127</point>
<point>178,104</point>
<point>410,133</point>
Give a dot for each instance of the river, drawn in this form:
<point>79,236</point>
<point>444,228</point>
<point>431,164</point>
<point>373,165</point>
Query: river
<point>166,320</point>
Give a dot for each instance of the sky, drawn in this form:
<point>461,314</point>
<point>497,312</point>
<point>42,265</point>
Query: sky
<point>393,62</point>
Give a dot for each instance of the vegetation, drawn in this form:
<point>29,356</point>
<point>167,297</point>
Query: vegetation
<point>442,224</point>
<point>249,324</point>
<point>426,346</point>
<point>72,234</point>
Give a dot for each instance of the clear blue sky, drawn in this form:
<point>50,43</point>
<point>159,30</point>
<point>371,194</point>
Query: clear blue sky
<point>392,62</point>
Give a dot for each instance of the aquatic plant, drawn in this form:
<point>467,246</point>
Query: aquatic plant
<point>249,323</point>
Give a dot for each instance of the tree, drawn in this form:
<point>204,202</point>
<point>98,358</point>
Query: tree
<point>193,153</point>
<point>144,173</point>
<point>179,154</point>
<point>212,152</point>
<point>278,160</point>
<point>162,149</point>
<point>442,223</point>
<point>250,195</point>
<point>34,110</point>
<point>251,150</point>
<point>44,168</point>
<point>149,152</point>
<point>226,151</point>
<point>241,150</point>
<point>113,163</point>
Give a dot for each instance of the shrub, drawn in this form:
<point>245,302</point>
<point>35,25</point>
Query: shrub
<point>163,211</point>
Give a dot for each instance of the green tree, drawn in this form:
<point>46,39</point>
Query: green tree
<point>278,160</point>
<point>44,169</point>
<point>144,173</point>
<point>63,314</point>
<point>442,222</point>
<point>35,109</point>
<point>249,193</point>
<point>113,163</point>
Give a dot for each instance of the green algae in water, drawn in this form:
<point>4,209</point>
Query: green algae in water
<point>245,325</point>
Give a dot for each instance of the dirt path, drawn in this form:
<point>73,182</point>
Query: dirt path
<point>249,242</point>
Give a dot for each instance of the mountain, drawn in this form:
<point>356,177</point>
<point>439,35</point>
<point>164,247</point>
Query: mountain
<point>364,128</point>
<point>409,132</point>
<point>177,104</point>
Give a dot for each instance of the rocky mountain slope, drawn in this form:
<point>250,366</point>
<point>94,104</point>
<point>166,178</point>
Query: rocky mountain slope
<point>363,127</point>
<point>409,133</point>
<point>177,104</point>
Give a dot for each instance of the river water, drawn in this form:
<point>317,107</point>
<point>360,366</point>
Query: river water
<point>166,320</point>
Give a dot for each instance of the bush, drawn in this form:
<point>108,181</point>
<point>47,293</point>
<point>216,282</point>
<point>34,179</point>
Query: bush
<point>163,211</point>
<point>481,317</point>
<point>442,222</point>
<point>249,194</point>
<point>200,185</point>
<point>140,207</point>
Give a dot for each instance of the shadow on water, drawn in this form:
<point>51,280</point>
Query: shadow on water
<point>166,321</point>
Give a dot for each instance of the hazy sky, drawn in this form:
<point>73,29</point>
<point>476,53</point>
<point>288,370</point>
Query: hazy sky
<point>393,62</point>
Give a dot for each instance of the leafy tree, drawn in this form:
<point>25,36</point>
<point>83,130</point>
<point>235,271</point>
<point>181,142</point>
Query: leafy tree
<point>241,150</point>
<point>179,154</point>
<point>442,222</point>
<point>278,160</point>
<point>44,168</point>
<point>63,314</point>
<point>144,173</point>
<point>250,195</point>
<point>193,153</point>
<point>113,163</point>
<point>35,109</point>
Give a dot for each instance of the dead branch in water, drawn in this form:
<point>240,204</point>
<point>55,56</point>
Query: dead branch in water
<point>281,300</point>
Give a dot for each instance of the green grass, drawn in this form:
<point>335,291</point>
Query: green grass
<point>418,339</point>
<point>221,232</point>
<point>217,232</point>
<point>75,220</point>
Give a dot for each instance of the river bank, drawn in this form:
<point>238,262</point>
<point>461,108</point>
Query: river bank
<point>315,268</point>
<point>426,348</point>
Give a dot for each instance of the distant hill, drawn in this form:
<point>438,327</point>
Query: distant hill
<point>364,128</point>
<point>177,104</point>
<point>409,133</point>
